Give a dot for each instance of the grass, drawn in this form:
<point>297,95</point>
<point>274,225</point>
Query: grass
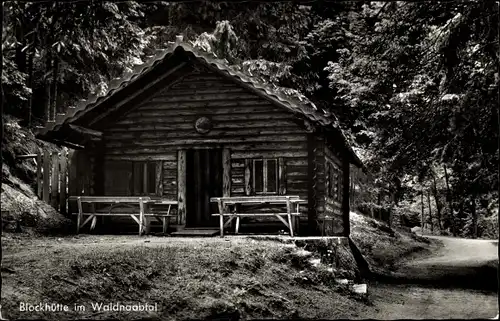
<point>197,278</point>
<point>384,247</point>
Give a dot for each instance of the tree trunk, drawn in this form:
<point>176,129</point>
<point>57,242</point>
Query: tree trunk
<point>353,177</point>
<point>438,203</point>
<point>30,78</point>
<point>48,91</point>
<point>461,213</point>
<point>55,73</point>
<point>474,217</point>
<point>21,55</point>
<point>422,224</point>
<point>21,42</point>
<point>379,201</point>
<point>450,203</point>
<point>430,210</point>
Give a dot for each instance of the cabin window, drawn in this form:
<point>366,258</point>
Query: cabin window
<point>131,178</point>
<point>118,178</point>
<point>144,178</point>
<point>265,176</point>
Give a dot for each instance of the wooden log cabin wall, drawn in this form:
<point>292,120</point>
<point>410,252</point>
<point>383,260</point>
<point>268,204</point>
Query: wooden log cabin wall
<point>253,133</point>
<point>198,130</point>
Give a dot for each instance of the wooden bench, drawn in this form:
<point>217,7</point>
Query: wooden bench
<point>291,202</point>
<point>132,202</point>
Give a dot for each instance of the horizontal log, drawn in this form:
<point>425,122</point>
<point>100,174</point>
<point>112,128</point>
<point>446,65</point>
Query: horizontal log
<point>195,83</point>
<point>292,187</point>
<point>237,142</point>
<point>206,76</point>
<point>163,105</point>
<point>238,190</point>
<point>170,165</point>
<point>237,164</point>
<point>86,131</point>
<point>201,111</point>
<point>301,191</point>
<point>187,130</point>
<point>297,172</point>
<point>205,90</point>
<point>206,97</point>
<point>269,154</point>
<point>141,157</point>
<point>216,118</point>
<point>297,181</point>
<point>162,137</point>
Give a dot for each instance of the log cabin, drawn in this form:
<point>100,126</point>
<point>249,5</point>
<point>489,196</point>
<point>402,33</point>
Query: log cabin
<point>186,126</point>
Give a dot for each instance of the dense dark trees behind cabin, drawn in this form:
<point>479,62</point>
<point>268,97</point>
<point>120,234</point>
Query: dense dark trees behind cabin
<point>415,85</point>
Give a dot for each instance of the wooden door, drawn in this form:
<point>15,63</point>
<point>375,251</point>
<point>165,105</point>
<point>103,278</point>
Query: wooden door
<point>203,180</point>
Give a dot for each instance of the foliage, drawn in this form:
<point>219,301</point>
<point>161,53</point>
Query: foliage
<point>413,84</point>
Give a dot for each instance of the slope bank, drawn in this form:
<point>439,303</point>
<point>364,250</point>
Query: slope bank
<point>22,211</point>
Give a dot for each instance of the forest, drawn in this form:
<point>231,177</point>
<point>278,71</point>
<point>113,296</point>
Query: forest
<point>415,85</point>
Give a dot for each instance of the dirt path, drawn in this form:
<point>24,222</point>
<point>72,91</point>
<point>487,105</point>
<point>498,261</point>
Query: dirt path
<point>457,281</point>
<point>461,252</point>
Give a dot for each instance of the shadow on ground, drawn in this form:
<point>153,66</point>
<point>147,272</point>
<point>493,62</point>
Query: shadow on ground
<point>482,277</point>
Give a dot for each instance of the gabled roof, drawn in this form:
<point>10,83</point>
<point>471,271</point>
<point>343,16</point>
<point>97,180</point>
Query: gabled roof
<point>287,98</point>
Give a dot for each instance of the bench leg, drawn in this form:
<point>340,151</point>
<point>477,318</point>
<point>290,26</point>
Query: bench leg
<point>93,223</point>
<point>165,224</point>
<point>141,216</point>
<point>79,218</point>
<point>237,225</point>
<point>147,221</point>
<point>221,220</point>
<point>288,210</point>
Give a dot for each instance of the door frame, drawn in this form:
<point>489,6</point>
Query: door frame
<point>183,167</point>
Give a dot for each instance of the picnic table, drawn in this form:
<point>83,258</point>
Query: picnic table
<point>139,209</point>
<point>292,203</point>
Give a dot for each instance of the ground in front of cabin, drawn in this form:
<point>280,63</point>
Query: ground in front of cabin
<point>185,277</point>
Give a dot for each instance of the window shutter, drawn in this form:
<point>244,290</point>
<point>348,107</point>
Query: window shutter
<point>282,176</point>
<point>159,178</point>
<point>248,177</point>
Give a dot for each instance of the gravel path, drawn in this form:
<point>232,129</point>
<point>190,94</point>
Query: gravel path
<point>458,281</point>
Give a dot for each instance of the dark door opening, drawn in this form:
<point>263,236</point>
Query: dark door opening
<point>203,180</point>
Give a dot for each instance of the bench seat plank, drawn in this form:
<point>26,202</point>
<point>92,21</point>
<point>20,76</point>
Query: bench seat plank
<point>126,214</point>
<point>255,214</point>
